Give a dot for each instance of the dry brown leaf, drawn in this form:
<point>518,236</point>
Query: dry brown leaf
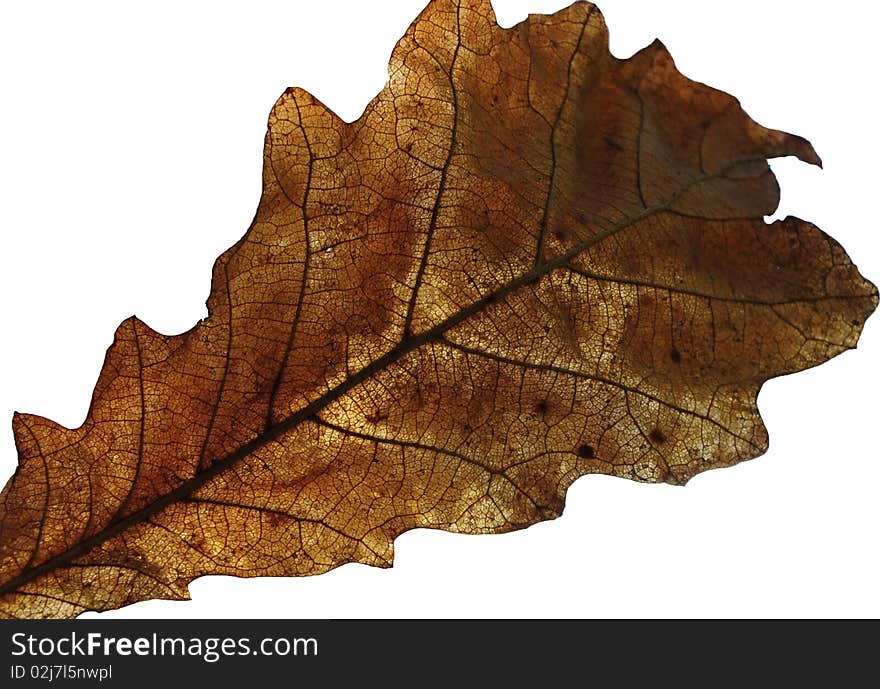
<point>527,261</point>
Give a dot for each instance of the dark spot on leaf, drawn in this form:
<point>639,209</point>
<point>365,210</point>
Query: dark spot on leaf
<point>376,416</point>
<point>612,144</point>
<point>541,407</point>
<point>657,436</point>
<point>675,355</point>
<point>586,451</point>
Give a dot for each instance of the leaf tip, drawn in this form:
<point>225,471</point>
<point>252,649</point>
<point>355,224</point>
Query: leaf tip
<point>804,150</point>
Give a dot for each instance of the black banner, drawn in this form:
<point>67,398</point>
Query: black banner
<point>455,653</point>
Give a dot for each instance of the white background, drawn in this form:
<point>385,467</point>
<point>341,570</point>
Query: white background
<point>130,155</point>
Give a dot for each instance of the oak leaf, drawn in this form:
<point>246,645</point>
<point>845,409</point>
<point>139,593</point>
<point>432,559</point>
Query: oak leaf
<point>527,261</point>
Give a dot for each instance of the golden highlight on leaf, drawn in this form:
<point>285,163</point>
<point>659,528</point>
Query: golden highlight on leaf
<point>527,261</point>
